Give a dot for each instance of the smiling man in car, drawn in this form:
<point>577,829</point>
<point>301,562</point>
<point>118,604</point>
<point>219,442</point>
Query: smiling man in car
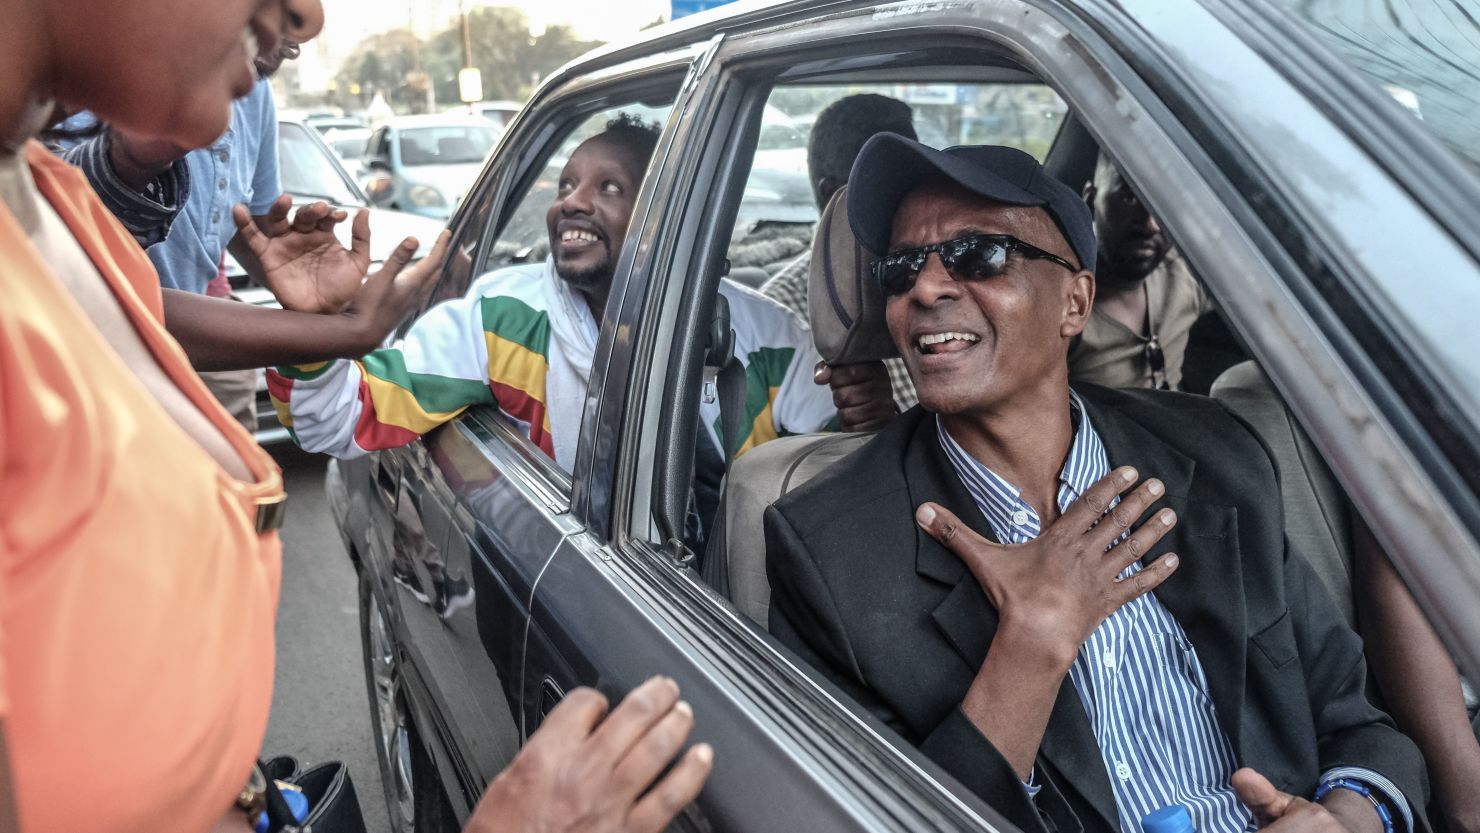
<point>523,339</point>
<point>980,576</point>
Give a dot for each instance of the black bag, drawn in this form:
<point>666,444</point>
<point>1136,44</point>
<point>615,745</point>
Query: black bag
<point>333,806</point>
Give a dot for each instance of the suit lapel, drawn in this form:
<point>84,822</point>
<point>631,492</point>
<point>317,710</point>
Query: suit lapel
<point>968,621</point>
<point>1206,594</point>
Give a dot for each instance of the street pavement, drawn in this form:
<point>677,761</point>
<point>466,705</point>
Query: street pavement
<point>320,710</point>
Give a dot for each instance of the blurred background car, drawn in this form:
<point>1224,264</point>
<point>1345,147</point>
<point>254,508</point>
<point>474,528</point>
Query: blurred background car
<point>310,171</point>
<point>350,144</point>
<point>324,122</point>
<point>498,112</point>
<point>424,164</point>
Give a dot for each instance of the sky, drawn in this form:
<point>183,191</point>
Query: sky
<point>348,21</point>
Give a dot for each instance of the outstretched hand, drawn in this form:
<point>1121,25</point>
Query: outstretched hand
<point>389,295</point>
<point>1053,591</point>
<point>303,263</point>
<point>587,771</point>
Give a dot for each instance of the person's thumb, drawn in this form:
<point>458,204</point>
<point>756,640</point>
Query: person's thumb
<point>1260,796</point>
<point>945,527</point>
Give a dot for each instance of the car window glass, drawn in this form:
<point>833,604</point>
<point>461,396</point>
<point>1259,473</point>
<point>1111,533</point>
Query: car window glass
<point>308,170</point>
<point>1424,53</point>
<point>446,144</point>
<point>779,206</point>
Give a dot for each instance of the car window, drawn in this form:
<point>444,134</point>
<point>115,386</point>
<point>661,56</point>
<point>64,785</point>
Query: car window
<point>446,144</point>
<point>381,144</point>
<point>308,170</point>
<point>498,242</point>
<point>1424,53</point>
<point>779,207</point>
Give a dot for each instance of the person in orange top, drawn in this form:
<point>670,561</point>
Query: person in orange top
<point>139,559</point>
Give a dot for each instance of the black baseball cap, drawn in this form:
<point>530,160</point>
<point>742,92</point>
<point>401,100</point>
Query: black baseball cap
<point>890,166</point>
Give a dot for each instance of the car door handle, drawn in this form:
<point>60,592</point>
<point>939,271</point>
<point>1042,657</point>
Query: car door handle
<point>550,696</point>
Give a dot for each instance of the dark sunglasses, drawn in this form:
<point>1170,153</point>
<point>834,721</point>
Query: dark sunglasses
<point>971,257</point>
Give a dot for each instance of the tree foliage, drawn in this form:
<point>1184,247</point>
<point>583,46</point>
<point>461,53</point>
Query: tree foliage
<point>512,60</point>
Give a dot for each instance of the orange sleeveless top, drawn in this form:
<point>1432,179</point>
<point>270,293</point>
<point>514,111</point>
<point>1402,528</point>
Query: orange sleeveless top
<point>137,599</point>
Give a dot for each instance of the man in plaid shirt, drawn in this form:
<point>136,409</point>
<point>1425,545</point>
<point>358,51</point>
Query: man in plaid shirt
<point>837,137</point>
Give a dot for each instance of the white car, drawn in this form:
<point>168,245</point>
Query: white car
<point>424,164</point>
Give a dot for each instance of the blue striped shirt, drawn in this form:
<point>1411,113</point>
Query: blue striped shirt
<point>1137,676</point>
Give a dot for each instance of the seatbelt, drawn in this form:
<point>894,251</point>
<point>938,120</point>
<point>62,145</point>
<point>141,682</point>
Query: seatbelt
<point>724,375</point>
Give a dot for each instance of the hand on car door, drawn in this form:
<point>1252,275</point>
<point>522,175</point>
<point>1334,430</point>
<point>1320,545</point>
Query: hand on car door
<point>587,771</point>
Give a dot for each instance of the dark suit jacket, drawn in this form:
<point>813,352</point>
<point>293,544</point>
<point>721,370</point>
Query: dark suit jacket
<point>896,620</point>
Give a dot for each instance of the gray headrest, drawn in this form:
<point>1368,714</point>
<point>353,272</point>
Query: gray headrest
<point>843,299</point>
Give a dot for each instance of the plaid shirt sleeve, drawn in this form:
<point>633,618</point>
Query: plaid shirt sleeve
<point>148,214</point>
<point>789,286</point>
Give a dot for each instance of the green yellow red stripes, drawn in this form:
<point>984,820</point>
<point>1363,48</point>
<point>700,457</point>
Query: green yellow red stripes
<point>765,370</point>
<point>518,341</point>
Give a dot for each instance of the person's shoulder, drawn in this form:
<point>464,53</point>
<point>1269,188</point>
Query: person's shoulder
<point>754,306</point>
<point>1198,427</point>
<point>522,281</point>
<point>256,107</point>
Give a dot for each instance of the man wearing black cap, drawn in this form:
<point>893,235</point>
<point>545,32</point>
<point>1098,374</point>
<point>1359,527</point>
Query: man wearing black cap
<point>980,575</point>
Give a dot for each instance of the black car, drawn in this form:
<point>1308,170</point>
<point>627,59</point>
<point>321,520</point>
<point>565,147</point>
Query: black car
<point>1315,163</point>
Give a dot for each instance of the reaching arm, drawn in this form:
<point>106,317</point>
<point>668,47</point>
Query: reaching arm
<point>394,395</point>
<point>224,335</point>
<point>1418,679</point>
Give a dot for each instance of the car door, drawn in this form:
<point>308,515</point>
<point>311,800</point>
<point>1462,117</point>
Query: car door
<point>479,508</point>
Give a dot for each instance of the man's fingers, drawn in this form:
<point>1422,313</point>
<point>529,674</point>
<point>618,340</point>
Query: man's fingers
<point>1259,795</point>
<point>1140,542</point>
<point>246,227</point>
<point>332,217</point>
<point>822,373</point>
<point>576,715</point>
<point>653,751</point>
<point>397,260</point>
<point>1122,517</point>
<point>677,790</point>
<point>854,374</point>
<point>276,217</point>
<point>359,236</point>
<point>1146,579</point>
<point>425,272</point>
<point>946,528</point>
<point>638,713</point>
<point>307,218</point>
<point>1086,511</point>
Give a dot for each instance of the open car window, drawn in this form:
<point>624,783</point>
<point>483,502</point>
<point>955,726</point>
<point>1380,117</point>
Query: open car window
<point>501,250</point>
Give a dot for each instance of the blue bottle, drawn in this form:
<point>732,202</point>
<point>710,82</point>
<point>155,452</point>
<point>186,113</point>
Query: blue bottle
<point>1172,818</point>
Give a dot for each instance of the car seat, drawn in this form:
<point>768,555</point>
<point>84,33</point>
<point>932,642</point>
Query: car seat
<point>1317,515</point>
<point>848,327</point>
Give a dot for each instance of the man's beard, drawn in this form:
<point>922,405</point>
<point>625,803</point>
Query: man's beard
<point>586,280</point>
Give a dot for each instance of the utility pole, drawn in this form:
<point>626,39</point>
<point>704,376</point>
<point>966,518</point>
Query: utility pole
<point>467,37</point>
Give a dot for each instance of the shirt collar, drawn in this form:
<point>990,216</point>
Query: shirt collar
<point>999,500</point>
